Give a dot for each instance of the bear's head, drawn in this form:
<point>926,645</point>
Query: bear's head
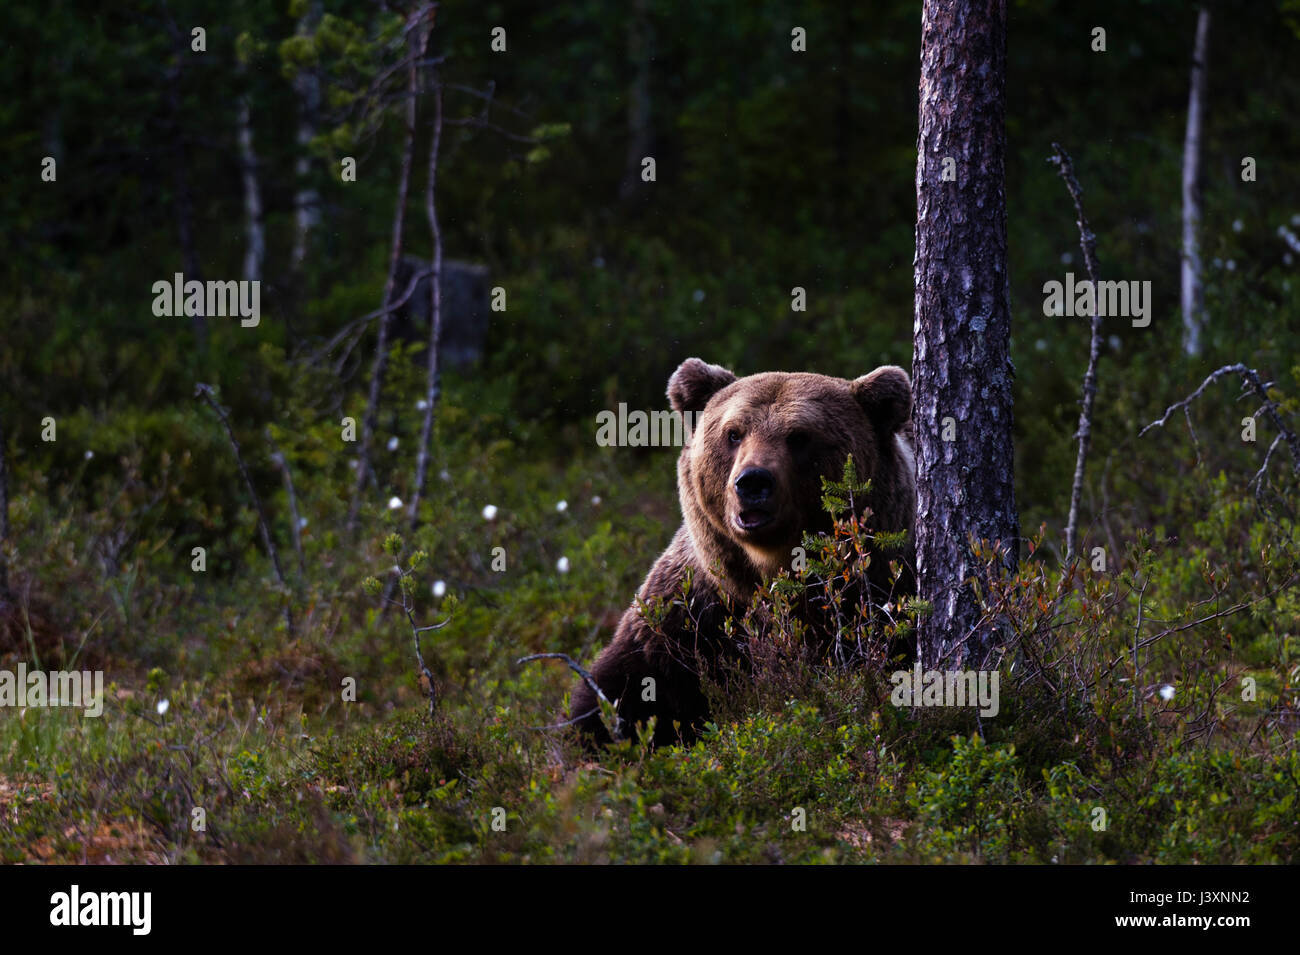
<point>750,474</point>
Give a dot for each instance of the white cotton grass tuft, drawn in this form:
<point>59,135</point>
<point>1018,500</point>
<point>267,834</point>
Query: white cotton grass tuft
<point>392,444</point>
<point>595,500</point>
<point>162,707</point>
<point>490,512</point>
<point>1166,693</point>
<point>562,565</point>
<point>439,588</point>
<point>394,503</point>
<point>562,506</point>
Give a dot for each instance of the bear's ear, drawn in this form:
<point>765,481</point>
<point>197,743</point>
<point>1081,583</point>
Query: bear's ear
<point>886,397</point>
<point>694,383</point>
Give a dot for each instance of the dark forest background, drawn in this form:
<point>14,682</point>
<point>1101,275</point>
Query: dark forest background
<point>774,169</point>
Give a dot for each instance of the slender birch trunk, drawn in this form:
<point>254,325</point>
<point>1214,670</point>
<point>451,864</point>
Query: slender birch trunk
<point>417,43</point>
<point>433,386</point>
<point>306,202</point>
<point>255,241</point>
<point>1193,298</point>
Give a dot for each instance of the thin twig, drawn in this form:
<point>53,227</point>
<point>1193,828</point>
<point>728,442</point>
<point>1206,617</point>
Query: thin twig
<point>574,665</point>
<point>565,724</point>
<point>359,325</point>
<point>279,460</point>
<point>587,678</point>
<point>1250,378</point>
<point>1268,456</point>
<point>1088,242</point>
<point>409,609</point>
<point>205,391</point>
<point>370,421</point>
<point>1156,638</point>
<point>433,383</point>
<point>477,123</point>
<point>1137,636</point>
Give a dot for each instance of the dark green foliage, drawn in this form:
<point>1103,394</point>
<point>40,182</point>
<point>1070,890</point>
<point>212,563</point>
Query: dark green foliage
<point>775,170</point>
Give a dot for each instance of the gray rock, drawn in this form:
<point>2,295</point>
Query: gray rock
<point>464,309</point>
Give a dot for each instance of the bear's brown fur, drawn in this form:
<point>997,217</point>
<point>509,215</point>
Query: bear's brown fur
<point>749,480</point>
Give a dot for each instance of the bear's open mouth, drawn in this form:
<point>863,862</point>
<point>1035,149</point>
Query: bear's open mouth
<point>753,518</point>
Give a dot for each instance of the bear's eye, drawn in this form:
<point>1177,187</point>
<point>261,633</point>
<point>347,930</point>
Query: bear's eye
<point>798,441</point>
<point>733,436</point>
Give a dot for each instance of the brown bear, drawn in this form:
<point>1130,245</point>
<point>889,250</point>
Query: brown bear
<point>749,480</point>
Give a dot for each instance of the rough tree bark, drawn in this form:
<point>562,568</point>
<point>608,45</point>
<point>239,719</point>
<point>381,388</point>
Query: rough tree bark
<point>1192,291</point>
<point>962,368</point>
<point>417,42</point>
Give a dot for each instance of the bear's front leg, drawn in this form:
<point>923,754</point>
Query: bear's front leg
<point>641,674</point>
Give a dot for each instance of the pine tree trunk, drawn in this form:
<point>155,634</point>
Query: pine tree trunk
<point>1193,297</point>
<point>962,369</point>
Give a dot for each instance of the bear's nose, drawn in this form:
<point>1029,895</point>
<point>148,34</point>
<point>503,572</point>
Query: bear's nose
<point>754,486</point>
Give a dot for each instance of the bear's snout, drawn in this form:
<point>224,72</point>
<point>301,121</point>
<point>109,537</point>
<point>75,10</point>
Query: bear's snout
<point>754,486</point>
<point>757,501</point>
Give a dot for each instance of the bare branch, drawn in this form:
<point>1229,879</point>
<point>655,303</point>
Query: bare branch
<point>587,678</point>
<point>479,123</point>
<point>409,610</point>
<point>358,325</point>
<point>574,665</point>
<point>205,391</point>
<point>1250,379</point>
<point>565,724</point>
<point>1268,456</point>
<point>433,380</point>
<point>370,421</point>
<point>1088,242</point>
<point>278,459</point>
<point>1137,638</point>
